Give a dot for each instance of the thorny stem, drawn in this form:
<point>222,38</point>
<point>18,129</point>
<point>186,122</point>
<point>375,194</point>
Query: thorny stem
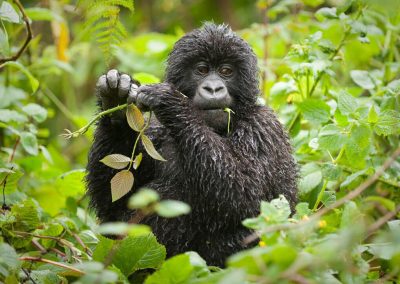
<point>68,134</point>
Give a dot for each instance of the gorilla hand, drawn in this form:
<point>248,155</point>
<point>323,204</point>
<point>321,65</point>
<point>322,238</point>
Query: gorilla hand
<point>153,97</point>
<point>112,90</point>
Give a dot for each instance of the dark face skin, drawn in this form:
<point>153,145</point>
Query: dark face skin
<point>212,93</point>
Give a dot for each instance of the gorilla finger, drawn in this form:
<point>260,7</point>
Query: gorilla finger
<point>112,78</point>
<point>101,85</point>
<point>124,85</point>
<point>132,94</point>
<point>142,101</point>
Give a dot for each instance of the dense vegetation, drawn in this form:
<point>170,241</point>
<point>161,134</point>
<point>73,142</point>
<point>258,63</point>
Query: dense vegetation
<point>331,70</point>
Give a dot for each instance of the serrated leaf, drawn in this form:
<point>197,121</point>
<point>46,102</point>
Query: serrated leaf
<point>347,104</point>
<point>388,123</point>
<point>116,161</point>
<point>36,111</point>
<point>8,13</point>
<point>311,177</point>
<point>362,79</point>
<point>121,184</point>
<point>134,117</point>
<point>177,269</point>
<point>372,115</point>
<point>137,161</point>
<point>315,110</point>
<point>138,252</point>
<point>358,145</point>
<point>277,210</point>
<point>29,143</point>
<point>330,138</point>
<point>149,147</point>
<point>171,208</point>
<point>8,259</point>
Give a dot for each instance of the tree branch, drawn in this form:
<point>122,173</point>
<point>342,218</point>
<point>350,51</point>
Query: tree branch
<point>29,35</point>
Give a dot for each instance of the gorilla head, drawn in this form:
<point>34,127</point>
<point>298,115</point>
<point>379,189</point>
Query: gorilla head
<point>217,70</point>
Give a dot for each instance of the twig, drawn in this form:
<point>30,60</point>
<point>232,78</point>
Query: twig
<point>351,195</point>
<point>383,220</point>
<point>68,134</point>
<point>28,37</point>
<point>59,264</point>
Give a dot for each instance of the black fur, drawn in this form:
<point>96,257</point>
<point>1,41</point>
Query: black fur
<point>222,177</point>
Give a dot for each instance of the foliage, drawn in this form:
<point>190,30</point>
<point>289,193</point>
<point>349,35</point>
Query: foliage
<point>330,72</point>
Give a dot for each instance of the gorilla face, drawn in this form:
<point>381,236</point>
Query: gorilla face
<point>216,69</point>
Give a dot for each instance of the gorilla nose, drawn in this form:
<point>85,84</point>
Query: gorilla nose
<point>214,89</point>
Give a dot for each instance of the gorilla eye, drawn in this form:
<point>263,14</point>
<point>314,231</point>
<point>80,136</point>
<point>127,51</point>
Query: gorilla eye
<point>226,71</point>
<point>203,69</point>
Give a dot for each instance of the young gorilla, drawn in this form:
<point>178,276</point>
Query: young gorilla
<point>222,176</point>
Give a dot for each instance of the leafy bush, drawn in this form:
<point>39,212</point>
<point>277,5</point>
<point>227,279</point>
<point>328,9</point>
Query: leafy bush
<point>332,74</point>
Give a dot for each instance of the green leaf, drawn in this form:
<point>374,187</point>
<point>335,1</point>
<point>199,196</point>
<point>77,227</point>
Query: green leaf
<point>7,115</point>
<point>372,115</point>
<point>137,161</point>
<point>351,215</point>
<point>32,80</point>
<point>311,178</point>
<point>27,215</point>
<point>171,208</point>
<point>329,13</point>
<point>347,104</point>
<point>330,138</point>
<point>121,184</point>
<point>387,203</point>
<point>315,110</point>
<point>331,172</point>
<point>103,249</point>
<point>388,123</point>
<point>362,79</point>
<point>116,161</point>
<point>29,143</point>
<point>276,211</point>
<point>149,147</point>
<point>9,261</point>
<point>42,14</point>
<point>302,209</point>
<point>138,252</point>
<point>199,264</point>
<point>143,198</point>
<point>353,179</point>
<point>358,145</point>
<point>38,113</point>
<point>134,117</point>
<point>328,198</point>
<point>175,270</point>
<point>8,13</point>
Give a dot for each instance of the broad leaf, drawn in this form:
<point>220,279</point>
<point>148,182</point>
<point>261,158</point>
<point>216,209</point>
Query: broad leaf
<point>330,138</point>
<point>143,198</point>
<point>363,79</point>
<point>171,208</point>
<point>32,80</point>
<point>315,110</point>
<point>121,184</point>
<point>347,104</point>
<point>36,111</point>
<point>134,117</point>
<point>148,145</point>
<point>388,123</point>
<point>311,177</point>
<point>8,13</point>
<point>116,161</point>
<point>29,143</point>
<point>177,269</point>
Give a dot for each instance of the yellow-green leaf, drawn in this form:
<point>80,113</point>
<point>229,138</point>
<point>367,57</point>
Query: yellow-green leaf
<point>137,161</point>
<point>134,117</point>
<point>116,161</point>
<point>121,184</point>
<point>148,145</point>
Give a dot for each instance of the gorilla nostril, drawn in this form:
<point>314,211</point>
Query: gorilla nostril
<point>208,89</point>
<point>217,89</point>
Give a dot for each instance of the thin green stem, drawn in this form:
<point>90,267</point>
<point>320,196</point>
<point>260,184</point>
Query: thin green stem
<point>320,195</point>
<point>68,134</point>
<point>137,140</point>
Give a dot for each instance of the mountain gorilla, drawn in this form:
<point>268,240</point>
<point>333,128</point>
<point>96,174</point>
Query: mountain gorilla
<point>222,176</point>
